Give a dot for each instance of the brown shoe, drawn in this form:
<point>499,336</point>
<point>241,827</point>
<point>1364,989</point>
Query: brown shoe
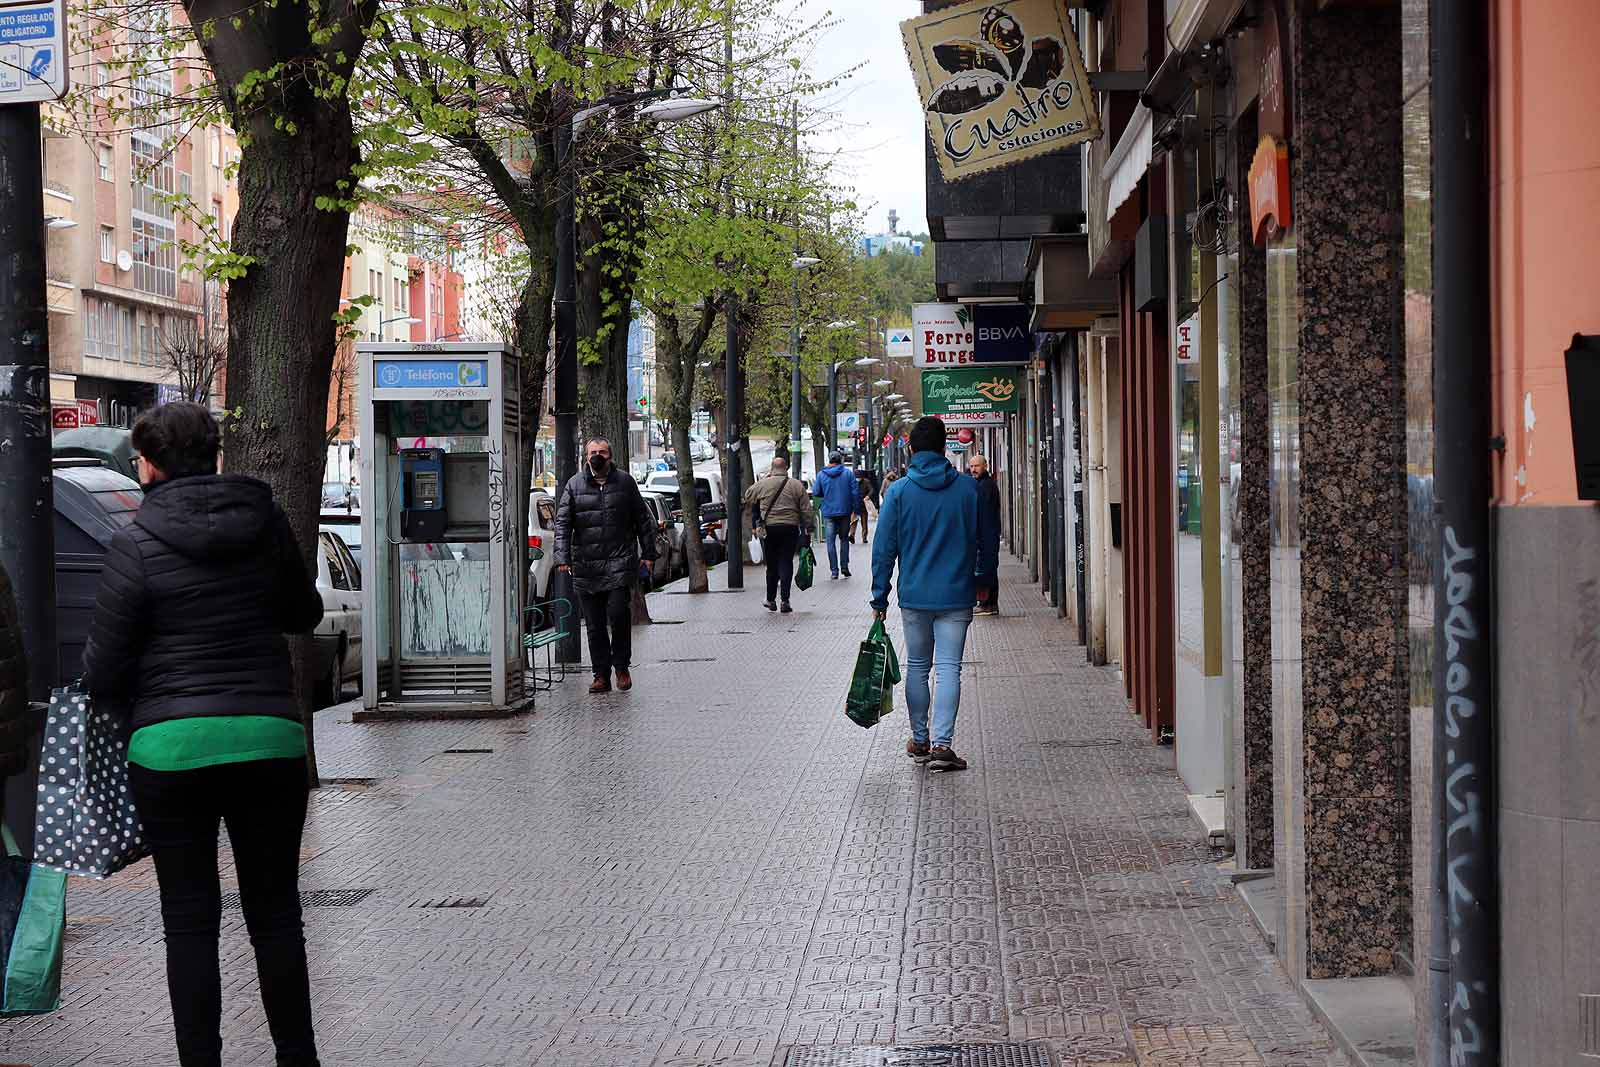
<point>940,758</point>
<point>624,681</point>
<point>601,684</point>
<point>917,750</point>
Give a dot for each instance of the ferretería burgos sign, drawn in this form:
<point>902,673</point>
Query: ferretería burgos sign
<point>977,392</point>
<point>1000,83</point>
<point>941,335</point>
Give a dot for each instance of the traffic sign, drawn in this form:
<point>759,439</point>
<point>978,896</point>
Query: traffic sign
<point>644,401</point>
<point>33,52</point>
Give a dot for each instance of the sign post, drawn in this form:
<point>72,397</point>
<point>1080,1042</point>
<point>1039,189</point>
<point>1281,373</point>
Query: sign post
<point>32,68</point>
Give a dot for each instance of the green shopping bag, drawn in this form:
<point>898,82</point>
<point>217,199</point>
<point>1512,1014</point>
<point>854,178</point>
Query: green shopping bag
<point>807,570</point>
<point>33,922</point>
<point>877,673</point>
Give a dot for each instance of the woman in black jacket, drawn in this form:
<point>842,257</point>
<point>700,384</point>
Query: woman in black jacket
<point>188,633</point>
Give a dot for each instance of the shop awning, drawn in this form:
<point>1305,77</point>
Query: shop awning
<point>1064,296</point>
<point>1129,160</point>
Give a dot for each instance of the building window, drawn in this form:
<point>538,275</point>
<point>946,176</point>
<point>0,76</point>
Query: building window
<point>108,245</point>
<point>377,290</point>
<point>102,79</point>
<point>399,294</point>
<point>185,184</point>
<point>155,236</point>
<point>108,167</point>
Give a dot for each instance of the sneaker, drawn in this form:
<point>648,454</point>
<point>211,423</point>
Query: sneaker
<point>624,681</point>
<point>940,758</point>
<point>833,577</point>
<point>786,609</point>
<point>601,684</point>
<point>771,605</point>
<point>917,750</point>
<point>845,571</point>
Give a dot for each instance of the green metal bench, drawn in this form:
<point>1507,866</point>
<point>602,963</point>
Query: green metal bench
<point>550,624</point>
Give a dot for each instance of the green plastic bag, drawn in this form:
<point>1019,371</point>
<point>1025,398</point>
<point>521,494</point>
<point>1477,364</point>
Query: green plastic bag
<point>807,570</point>
<point>33,923</point>
<point>877,673</point>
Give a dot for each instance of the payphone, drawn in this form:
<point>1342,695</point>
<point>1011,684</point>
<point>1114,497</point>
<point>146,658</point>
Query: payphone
<point>442,535</point>
<point>422,512</point>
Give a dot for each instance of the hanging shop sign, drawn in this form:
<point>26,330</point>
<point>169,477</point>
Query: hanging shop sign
<point>973,418</point>
<point>1273,113</point>
<point>1187,346</point>
<point>1269,190</point>
<point>965,391</point>
<point>1001,334</point>
<point>897,343</point>
<point>1000,82</point>
<point>942,335</point>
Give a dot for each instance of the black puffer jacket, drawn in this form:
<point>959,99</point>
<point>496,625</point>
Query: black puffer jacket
<point>194,602</point>
<point>603,529</point>
<point>13,685</point>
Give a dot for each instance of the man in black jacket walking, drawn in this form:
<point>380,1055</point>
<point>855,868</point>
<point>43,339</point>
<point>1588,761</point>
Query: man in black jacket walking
<point>603,531</point>
<point>989,504</point>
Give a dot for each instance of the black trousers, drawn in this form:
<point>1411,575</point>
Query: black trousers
<point>263,805</point>
<point>608,616</point>
<point>779,548</point>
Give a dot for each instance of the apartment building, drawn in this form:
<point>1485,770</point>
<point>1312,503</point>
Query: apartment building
<point>122,302</point>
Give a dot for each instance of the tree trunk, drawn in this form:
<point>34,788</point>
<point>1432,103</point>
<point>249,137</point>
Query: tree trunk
<point>281,335</point>
<point>699,580</point>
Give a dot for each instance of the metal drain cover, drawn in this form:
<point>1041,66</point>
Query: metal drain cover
<point>315,898</point>
<point>1007,1054</point>
<point>451,902</point>
<point>1080,742</point>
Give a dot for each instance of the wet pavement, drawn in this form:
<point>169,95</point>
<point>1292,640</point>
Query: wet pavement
<point>720,869</point>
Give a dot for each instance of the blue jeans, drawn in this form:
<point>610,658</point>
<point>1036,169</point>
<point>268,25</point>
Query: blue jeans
<point>838,543</point>
<point>935,641</point>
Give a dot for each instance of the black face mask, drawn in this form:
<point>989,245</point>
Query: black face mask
<point>598,463</point>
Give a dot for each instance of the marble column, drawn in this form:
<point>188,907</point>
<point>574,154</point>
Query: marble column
<point>1253,536</point>
<point>1349,414</point>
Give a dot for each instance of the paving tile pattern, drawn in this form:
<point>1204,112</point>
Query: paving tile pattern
<point>719,870</point>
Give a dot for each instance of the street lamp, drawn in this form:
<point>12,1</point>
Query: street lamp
<point>566,286</point>
<point>409,320</point>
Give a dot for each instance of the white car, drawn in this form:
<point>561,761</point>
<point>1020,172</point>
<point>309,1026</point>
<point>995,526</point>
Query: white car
<point>338,637</point>
<point>541,544</point>
<point>708,485</point>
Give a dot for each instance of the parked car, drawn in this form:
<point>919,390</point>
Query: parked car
<point>541,544</point>
<point>337,639</point>
<point>339,496</point>
<point>348,526</point>
<point>669,537</point>
<point>708,486</point>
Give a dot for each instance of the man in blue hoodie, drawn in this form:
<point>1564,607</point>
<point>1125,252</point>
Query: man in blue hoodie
<point>932,524</point>
<point>838,495</point>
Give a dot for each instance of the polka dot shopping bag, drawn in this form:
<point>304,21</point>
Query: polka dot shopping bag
<point>86,822</point>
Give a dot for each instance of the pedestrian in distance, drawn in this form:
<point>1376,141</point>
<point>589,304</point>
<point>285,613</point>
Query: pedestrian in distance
<point>780,514</point>
<point>933,526</point>
<point>605,539</point>
<point>838,497</point>
<point>989,501</point>
<point>864,492</point>
<point>187,639</point>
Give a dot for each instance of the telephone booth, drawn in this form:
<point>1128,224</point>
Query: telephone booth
<point>442,514</point>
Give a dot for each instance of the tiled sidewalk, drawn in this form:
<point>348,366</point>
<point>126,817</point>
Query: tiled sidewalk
<point>719,866</point>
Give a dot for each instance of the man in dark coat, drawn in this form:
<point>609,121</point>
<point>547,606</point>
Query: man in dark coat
<point>603,531</point>
<point>13,689</point>
<point>989,502</point>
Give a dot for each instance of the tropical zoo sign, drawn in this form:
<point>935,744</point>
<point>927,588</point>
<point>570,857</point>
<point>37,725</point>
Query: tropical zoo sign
<point>980,393</point>
<point>1000,83</point>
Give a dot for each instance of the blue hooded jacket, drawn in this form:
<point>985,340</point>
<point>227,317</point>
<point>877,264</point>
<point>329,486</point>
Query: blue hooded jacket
<point>931,523</point>
<point>836,487</point>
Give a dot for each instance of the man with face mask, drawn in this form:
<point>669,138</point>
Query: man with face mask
<point>603,532</point>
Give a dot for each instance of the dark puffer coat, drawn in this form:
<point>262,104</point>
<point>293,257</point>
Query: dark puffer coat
<point>603,530</point>
<point>194,602</point>
<point>13,684</point>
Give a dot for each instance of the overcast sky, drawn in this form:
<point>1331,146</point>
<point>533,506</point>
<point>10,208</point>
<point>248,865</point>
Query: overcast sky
<point>879,129</point>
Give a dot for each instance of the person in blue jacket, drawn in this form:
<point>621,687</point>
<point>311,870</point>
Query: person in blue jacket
<point>931,524</point>
<point>838,496</point>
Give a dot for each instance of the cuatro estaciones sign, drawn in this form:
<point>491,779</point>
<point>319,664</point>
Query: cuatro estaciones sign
<point>999,83</point>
